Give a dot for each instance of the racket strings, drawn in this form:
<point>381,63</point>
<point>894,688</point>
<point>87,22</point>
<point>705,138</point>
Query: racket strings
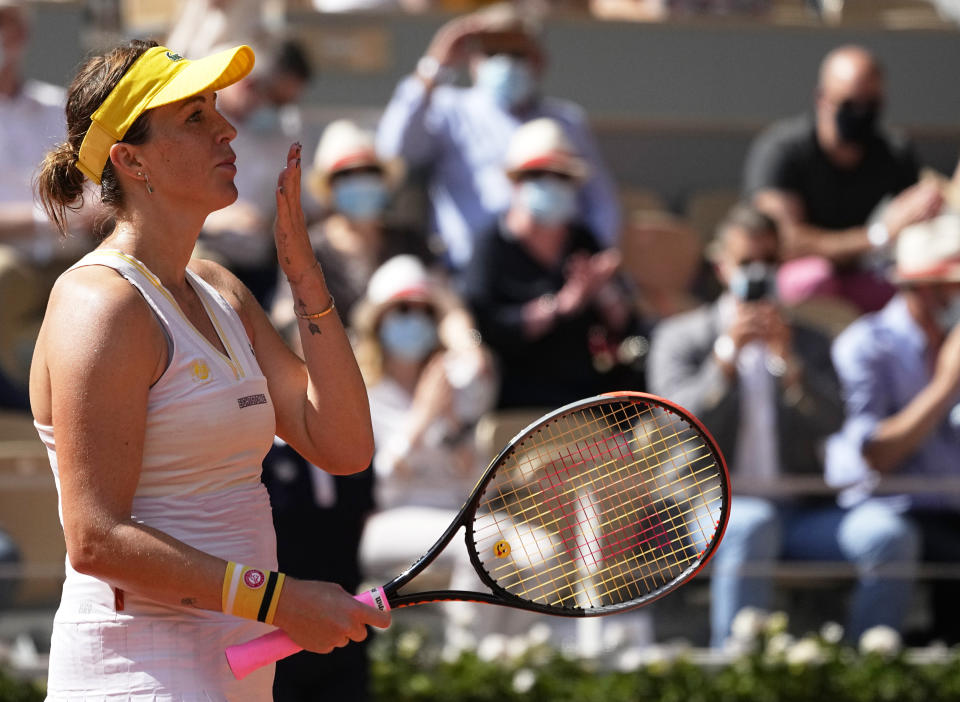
<point>670,559</point>
<point>616,568</point>
<point>608,519</point>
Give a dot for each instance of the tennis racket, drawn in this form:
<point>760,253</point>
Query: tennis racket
<point>601,506</point>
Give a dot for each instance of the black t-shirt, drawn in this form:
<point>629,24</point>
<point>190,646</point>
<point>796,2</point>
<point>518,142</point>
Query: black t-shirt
<point>558,367</point>
<point>788,157</point>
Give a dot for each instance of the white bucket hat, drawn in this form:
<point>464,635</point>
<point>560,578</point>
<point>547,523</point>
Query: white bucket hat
<point>542,145</point>
<point>929,251</point>
<point>342,147</point>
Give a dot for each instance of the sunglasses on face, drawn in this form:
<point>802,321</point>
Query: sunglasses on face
<point>374,170</point>
<point>409,307</point>
<point>538,174</point>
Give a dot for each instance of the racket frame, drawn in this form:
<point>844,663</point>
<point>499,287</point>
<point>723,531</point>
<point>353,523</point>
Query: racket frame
<point>500,596</point>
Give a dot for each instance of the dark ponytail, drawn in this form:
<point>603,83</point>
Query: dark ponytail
<point>60,184</point>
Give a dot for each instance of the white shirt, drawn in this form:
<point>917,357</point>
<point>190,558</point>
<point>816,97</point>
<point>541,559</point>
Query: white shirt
<point>31,123</point>
<point>433,479</point>
<point>756,457</point>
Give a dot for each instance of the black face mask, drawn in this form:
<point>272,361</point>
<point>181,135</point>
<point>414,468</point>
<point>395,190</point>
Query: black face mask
<point>857,121</point>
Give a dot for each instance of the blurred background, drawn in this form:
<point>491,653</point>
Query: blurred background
<point>674,93</point>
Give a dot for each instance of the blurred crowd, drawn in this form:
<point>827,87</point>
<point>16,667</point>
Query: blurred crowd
<point>817,335</point>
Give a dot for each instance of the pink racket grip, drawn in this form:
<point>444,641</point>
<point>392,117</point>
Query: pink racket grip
<point>245,658</point>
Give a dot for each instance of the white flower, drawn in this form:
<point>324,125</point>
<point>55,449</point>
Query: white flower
<point>630,659</point>
<point>779,644</point>
<point>806,651</point>
<point>614,635</point>
<point>408,643</point>
<point>831,632</point>
<point>492,647</point>
<point>880,639</point>
<point>524,680</point>
<point>748,624</point>
<point>539,634</point>
<point>517,647</point>
<point>456,642</point>
<point>776,623</point>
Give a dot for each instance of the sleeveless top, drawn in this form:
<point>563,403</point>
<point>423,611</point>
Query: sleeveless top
<point>210,422</point>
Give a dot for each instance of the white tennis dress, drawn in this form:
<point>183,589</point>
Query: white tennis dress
<point>210,422</point>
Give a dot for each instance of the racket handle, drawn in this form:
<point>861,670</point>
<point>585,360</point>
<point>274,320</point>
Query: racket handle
<point>245,658</point>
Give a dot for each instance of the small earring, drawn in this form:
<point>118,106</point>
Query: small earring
<point>146,179</point>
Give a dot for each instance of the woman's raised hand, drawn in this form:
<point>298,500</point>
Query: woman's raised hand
<point>290,228</point>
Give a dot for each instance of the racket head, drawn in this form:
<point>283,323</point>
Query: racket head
<point>601,506</point>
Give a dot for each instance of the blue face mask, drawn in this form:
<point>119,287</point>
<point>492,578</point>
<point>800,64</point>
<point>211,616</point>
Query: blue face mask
<point>362,196</point>
<point>508,80</point>
<point>550,201</point>
<point>409,335</point>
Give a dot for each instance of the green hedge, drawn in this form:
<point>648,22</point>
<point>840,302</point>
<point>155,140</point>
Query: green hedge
<point>769,666</point>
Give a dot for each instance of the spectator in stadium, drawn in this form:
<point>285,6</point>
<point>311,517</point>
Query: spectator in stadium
<point>900,373</point>
<point>823,175</point>
<point>429,380</point>
<point>263,106</point>
<point>354,185</point>
<point>549,299</point>
<point>462,134</point>
<point>31,255</point>
<point>765,388</point>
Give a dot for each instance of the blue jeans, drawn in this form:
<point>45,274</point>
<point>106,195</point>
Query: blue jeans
<point>870,536</point>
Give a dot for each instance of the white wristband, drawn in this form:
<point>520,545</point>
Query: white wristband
<point>725,349</point>
<point>878,235</point>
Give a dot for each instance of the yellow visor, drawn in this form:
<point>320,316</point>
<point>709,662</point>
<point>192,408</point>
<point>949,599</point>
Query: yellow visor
<point>157,78</point>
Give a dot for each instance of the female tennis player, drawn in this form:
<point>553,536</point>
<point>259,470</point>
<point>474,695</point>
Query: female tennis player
<point>157,386</point>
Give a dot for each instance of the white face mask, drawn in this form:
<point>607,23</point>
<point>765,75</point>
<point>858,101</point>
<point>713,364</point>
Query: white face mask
<point>360,196</point>
<point>550,201</point>
<point>410,335</point>
<point>508,80</point>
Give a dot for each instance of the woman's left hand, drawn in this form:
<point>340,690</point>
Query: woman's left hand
<point>290,228</point>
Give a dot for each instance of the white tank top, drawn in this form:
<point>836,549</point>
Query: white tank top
<point>210,422</point>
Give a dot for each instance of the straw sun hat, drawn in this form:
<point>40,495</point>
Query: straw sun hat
<point>929,251</point>
<point>345,146</point>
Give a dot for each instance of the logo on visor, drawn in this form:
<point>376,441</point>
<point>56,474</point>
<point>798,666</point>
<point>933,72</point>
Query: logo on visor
<point>174,57</point>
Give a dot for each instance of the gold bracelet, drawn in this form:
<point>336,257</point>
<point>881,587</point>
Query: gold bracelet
<point>317,315</point>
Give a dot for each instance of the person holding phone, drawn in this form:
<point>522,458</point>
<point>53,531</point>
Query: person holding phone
<point>764,386</point>
<point>157,386</point>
